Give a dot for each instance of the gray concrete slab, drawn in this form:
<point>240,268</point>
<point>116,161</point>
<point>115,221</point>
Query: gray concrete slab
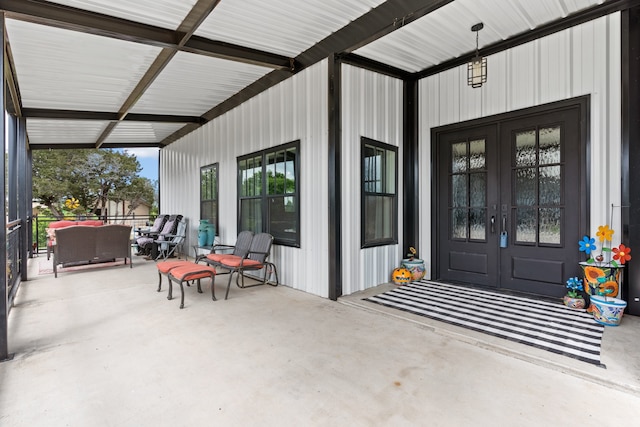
<point>103,348</point>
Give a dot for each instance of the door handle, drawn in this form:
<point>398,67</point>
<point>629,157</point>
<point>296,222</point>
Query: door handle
<point>493,224</point>
<point>504,223</point>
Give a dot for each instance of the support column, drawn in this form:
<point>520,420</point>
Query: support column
<point>4,301</point>
<point>631,153</point>
<point>411,166</point>
<point>335,182</point>
<point>24,196</point>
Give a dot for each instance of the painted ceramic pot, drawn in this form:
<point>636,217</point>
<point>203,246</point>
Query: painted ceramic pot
<point>602,280</point>
<point>606,310</point>
<point>571,302</point>
<point>415,266</point>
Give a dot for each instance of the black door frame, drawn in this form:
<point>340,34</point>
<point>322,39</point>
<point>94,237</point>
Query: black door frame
<point>583,104</point>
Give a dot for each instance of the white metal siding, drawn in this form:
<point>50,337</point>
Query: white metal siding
<point>584,60</point>
<point>371,107</point>
<point>294,109</point>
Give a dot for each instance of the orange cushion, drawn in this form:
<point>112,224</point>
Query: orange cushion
<point>165,266</point>
<point>192,272</point>
<point>91,222</point>
<point>62,224</point>
<point>248,263</point>
<point>220,257</point>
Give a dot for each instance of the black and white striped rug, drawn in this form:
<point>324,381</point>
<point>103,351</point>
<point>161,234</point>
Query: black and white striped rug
<point>543,324</point>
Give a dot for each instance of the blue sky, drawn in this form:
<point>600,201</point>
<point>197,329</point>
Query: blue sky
<point>148,158</point>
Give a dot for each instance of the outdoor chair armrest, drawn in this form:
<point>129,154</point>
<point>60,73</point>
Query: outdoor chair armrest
<point>221,247</point>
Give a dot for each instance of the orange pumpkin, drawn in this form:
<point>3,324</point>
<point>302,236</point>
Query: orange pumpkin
<point>401,276</point>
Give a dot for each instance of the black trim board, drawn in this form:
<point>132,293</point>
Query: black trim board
<point>335,182</point>
<point>630,55</point>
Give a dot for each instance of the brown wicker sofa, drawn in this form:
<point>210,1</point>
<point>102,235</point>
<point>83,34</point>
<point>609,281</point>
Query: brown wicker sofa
<point>86,245</point>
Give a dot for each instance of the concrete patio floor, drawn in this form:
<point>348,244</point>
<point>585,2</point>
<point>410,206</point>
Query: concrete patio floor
<point>102,348</point>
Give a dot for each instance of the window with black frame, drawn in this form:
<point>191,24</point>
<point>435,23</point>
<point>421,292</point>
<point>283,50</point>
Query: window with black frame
<point>209,194</point>
<point>379,201</point>
<point>268,193</point>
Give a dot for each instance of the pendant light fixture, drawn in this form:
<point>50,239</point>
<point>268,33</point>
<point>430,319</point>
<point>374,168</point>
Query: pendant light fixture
<point>477,68</point>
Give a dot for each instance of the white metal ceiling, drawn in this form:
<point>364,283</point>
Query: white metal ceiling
<point>61,69</point>
<point>62,132</point>
<point>286,27</point>
<point>193,84</point>
<point>69,70</point>
<point>160,13</point>
<point>446,33</point>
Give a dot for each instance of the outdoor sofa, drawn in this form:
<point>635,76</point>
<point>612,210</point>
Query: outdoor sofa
<point>87,245</point>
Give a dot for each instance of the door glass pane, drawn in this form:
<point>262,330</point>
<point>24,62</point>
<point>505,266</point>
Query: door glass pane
<point>459,157</point>
<point>477,155</point>
<point>526,148</point>
<point>459,224</point>
<point>550,185</point>
<point>525,187</point>
<point>550,225</point>
<point>550,145</point>
<point>478,189</point>
<point>478,224</point>
<point>459,190</point>
<point>526,225</point>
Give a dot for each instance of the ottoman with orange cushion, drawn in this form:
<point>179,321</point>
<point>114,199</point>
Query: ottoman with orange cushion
<point>165,267</point>
<point>189,272</point>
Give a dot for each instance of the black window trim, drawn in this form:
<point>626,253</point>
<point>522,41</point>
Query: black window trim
<point>378,242</point>
<point>264,197</point>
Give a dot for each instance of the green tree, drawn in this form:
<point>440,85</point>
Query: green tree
<point>93,176</point>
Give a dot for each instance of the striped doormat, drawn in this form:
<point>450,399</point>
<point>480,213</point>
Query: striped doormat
<point>542,324</point>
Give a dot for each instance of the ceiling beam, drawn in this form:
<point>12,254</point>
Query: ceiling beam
<point>43,113</point>
<point>187,27</point>
<point>70,18</point>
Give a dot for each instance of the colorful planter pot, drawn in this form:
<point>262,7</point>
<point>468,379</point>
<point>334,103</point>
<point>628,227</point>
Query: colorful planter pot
<point>415,266</point>
<point>602,280</point>
<point>577,303</point>
<point>202,232</point>
<point>606,310</point>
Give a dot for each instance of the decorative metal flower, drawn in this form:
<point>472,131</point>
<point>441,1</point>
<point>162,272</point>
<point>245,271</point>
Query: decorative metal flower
<point>622,254</point>
<point>604,234</point>
<point>587,245</point>
<point>574,285</point>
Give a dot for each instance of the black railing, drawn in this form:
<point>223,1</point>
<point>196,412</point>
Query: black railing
<point>41,223</point>
<point>13,259</point>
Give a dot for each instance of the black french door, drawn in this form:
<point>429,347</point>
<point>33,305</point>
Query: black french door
<point>510,202</point>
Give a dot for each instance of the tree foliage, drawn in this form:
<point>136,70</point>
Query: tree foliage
<point>93,176</point>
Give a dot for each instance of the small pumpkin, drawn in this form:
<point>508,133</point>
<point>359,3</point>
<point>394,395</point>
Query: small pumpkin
<point>401,276</point>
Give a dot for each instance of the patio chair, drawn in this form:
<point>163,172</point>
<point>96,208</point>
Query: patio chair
<point>254,259</point>
<point>145,243</point>
<point>167,243</point>
<point>239,250</point>
<point>155,228</point>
